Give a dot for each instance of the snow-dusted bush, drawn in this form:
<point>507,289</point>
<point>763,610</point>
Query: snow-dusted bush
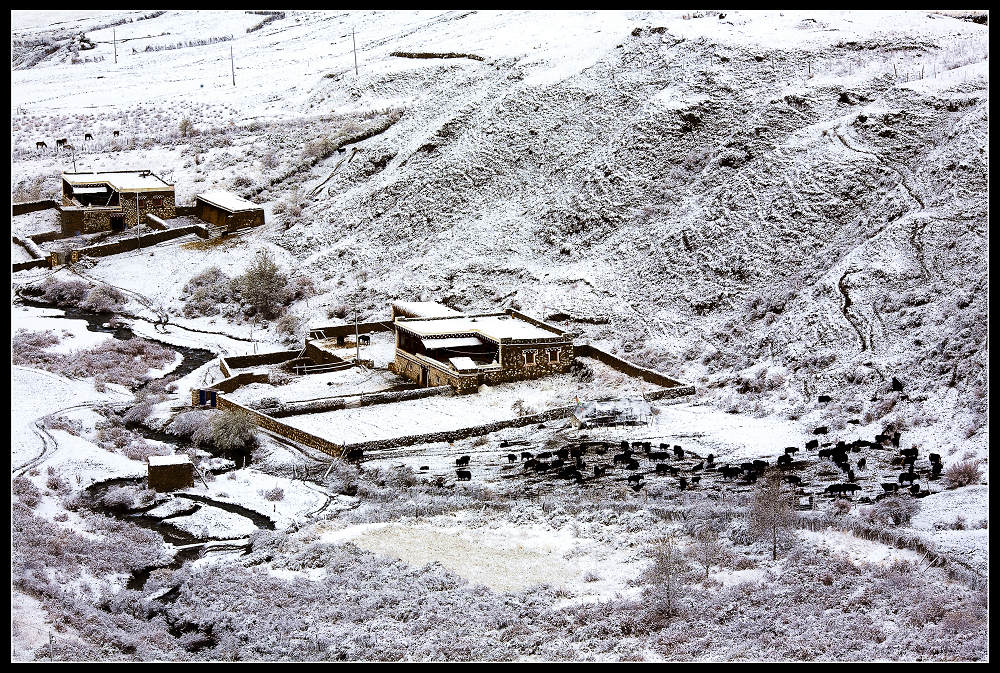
<point>963,473</point>
<point>190,423</point>
<point>275,494</point>
<point>263,288</point>
<point>138,413</point>
<point>24,490</point>
<point>104,299</point>
<point>893,511</point>
<point>233,431</point>
<point>68,425</point>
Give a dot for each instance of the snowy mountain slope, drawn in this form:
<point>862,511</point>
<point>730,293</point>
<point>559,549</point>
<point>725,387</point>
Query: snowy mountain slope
<point>766,204</point>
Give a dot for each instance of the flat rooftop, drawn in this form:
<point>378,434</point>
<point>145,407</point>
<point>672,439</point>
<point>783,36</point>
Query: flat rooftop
<point>122,181</point>
<point>228,201</point>
<point>425,309</point>
<point>492,326</point>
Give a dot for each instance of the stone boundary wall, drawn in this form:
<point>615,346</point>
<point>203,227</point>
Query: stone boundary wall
<point>183,211</point>
<point>129,244</point>
<point>48,236</point>
<point>283,429</point>
<point>31,206</point>
<point>33,264</point>
<point>156,223</point>
<point>647,375</point>
<point>347,329</point>
<point>227,364</point>
<point>363,400</point>
<point>30,247</point>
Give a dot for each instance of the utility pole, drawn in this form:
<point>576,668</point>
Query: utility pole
<point>232,64</point>
<point>114,38</point>
<point>357,340</point>
<point>355,52</point>
<point>72,151</point>
<point>138,240</point>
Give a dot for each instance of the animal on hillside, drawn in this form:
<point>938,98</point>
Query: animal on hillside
<point>116,133</point>
<point>895,439</point>
<point>934,458</point>
<point>632,464</point>
<point>624,445</point>
<point>659,455</point>
<point>463,461</point>
<point>812,444</point>
<point>678,452</point>
<point>907,476</point>
<point>914,452</point>
<point>821,430</point>
<point>544,455</point>
<point>862,463</point>
<point>793,479</point>
<point>915,489</point>
<point>354,454</point>
<point>61,142</point>
<point>577,452</point>
<point>784,460</point>
<point>825,398</point>
<point>525,455</point>
<point>759,465</point>
<point>710,460</point>
<point>620,458</point>
<point>637,487</point>
<point>695,479</point>
<point>511,458</point>
<point>662,468</point>
<point>463,475</point>
<point>789,450</point>
<point>936,469</point>
<point>890,487</point>
<point>599,471</point>
<point>563,453</point>
<point>39,145</point>
<point>87,136</point>
<point>530,464</point>
<point>635,478</point>
<point>558,462</point>
<point>424,468</point>
<point>683,483</point>
<point>700,466</point>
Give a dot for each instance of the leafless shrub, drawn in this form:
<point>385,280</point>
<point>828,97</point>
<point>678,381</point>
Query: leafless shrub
<point>963,473</point>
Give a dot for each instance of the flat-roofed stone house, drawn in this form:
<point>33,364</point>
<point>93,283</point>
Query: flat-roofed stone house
<point>228,210</point>
<point>113,200</point>
<point>467,350</point>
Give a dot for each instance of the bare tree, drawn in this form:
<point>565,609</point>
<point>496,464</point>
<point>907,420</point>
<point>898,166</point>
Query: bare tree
<point>707,551</point>
<point>772,513</point>
<point>666,575</point>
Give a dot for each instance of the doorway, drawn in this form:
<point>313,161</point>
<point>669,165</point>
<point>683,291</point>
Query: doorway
<point>117,223</point>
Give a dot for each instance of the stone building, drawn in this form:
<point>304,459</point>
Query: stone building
<point>467,350</point>
<point>228,210</point>
<point>113,200</point>
<point>170,473</point>
<point>611,412</point>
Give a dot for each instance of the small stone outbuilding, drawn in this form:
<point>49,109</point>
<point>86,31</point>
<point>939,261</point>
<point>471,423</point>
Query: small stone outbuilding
<point>228,210</point>
<point>170,473</point>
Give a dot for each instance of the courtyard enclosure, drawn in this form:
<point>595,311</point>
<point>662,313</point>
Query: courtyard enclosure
<point>113,200</point>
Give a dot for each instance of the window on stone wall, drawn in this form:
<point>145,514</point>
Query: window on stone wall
<point>529,357</point>
<point>553,356</point>
<point>157,201</point>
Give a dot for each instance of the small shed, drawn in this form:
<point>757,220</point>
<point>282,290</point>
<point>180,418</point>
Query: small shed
<point>612,412</point>
<point>226,209</point>
<point>170,473</point>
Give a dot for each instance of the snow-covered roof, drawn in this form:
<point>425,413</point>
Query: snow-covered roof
<point>90,190</point>
<point>495,327</point>
<point>462,363</point>
<point>172,459</point>
<point>127,181</point>
<point>227,201</point>
<point>424,309</point>
<point>454,342</point>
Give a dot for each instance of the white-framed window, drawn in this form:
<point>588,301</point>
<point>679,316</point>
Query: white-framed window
<point>554,356</point>
<point>529,357</point>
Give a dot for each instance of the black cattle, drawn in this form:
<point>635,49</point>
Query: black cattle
<point>750,478</point>
<point>936,470</point>
<point>638,487</point>
<point>571,473</point>
<point>851,477</point>
<point>812,444</point>
<point>678,452</point>
<point>897,385</point>
<point>619,458</point>
<point>683,483</point>
<point>599,471</point>
<point>364,340</point>
<point>700,466</point>
<point>881,439</point>
<point>637,445</point>
<point>635,478</point>
<point>61,142</point>
<point>526,455</point>
<point>544,455</point>
<point>87,136</point>
<point>463,461</point>
<point>463,475</point>
<point>793,479</point>
<point>890,487</point>
<point>746,467</point>
<point>895,439</point>
<point>730,471</point>
<point>511,458</point>
<point>624,445</point>
<point>862,463</point>
<point>558,462</point>
<point>646,446</point>
<point>934,458</point>
<point>914,452</point>
<point>354,454</point>
<point>632,464</point>
<point>659,455</point>
<point>695,479</point>
<point>115,133</point>
<point>825,398</point>
<point>784,460</point>
<point>563,453</point>
<point>759,465</point>
<point>662,468</point>
<point>664,446</point>
<point>577,452</point>
<point>674,471</point>
<point>855,421</point>
<point>789,450</point>
<point>897,460</point>
<point>907,476</point>
<point>915,489</point>
<point>710,460</point>
<point>39,145</point>
<point>541,466</point>
<point>530,464</point>
<point>424,468</point>
<point>821,430</point>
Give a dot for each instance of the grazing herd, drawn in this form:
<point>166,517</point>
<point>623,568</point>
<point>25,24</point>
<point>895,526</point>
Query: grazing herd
<point>64,142</point>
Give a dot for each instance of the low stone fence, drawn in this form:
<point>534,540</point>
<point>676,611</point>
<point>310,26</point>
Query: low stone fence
<point>31,206</point>
<point>615,362</point>
<point>33,264</point>
<point>227,364</point>
<point>335,403</point>
<point>49,236</point>
<point>347,329</point>
<point>156,223</point>
<point>30,247</point>
<point>283,429</point>
<point>128,244</point>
